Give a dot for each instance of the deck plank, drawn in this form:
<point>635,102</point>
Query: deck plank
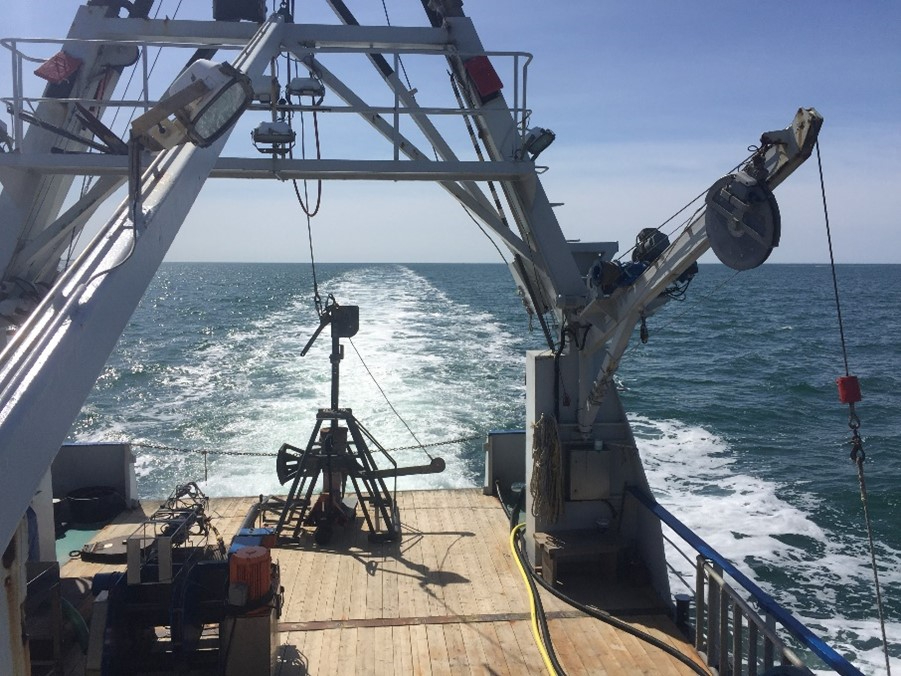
<point>473,638</point>
<point>532,660</point>
<point>457,657</point>
<point>346,657</point>
<point>567,650</point>
<point>419,648</point>
<point>438,656</point>
<point>403,651</point>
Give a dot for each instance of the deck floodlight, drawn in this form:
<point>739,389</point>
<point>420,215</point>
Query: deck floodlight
<point>205,101</point>
<point>210,116</point>
<point>536,140</point>
<point>265,89</point>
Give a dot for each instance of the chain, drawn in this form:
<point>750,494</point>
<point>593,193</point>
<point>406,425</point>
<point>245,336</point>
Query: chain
<point>436,443</point>
<point>201,451</point>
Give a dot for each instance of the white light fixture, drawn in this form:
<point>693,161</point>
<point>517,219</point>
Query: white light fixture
<point>205,100</point>
<point>536,140</point>
<point>265,89</point>
<point>212,115</point>
<point>278,135</point>
<point>306,86</point>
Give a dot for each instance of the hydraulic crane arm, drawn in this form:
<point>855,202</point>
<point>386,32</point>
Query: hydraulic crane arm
<point>613,319</point>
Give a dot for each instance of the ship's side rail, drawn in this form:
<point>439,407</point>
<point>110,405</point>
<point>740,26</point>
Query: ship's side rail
<point>729,632</point>
<point>734,637</point>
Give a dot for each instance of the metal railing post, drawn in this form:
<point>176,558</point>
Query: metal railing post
<point>723,650</point>
<point>752,648</point>
<point>736,639</point>
<point>713,618</point>
<point>768,643</point>
<point>699,603</point>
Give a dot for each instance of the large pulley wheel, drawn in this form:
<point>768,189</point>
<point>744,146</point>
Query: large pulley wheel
<point>742,220</point>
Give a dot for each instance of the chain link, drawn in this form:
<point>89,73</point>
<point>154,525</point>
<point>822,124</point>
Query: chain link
<point>202,451</point>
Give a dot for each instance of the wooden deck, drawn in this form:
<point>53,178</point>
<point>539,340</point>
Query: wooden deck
<point>447,599</point>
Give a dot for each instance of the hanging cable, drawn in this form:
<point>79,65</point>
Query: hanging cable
<point>304,201</point>
<point>152,66</point>
<point>317,299</point>
<point>399,60</point>
<point>849,393</point>
<point>390,405</point>
<point>478,149</point>
<point>500,210</point>
<point>689,203</point>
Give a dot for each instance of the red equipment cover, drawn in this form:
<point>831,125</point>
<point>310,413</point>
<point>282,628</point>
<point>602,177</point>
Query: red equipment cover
<point>58,68</point>
<point>483,76</point>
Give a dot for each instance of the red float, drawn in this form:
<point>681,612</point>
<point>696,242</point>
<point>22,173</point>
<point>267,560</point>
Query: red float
<point>848,389</point>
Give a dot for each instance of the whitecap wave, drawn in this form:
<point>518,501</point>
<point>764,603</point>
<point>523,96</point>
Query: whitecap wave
<point>765,527</point>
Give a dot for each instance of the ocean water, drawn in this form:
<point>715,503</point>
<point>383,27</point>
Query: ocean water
<point>733,401</point>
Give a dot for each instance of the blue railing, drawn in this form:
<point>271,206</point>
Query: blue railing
<point>769,605</point>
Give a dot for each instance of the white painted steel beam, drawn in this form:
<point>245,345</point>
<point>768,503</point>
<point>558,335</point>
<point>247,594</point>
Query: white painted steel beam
<point>476,203</point>
<point>38,259</point>
<point>50,365</point>
<point>93,164</point>
<point>31,202</point>
<point>405,98</point>
<point>532,211</point>
<point>322,37</point>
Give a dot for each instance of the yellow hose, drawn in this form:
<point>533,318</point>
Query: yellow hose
<point>525,578</point>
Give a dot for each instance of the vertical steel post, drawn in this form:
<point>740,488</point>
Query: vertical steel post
<point>699,604</point>
<point>752,648</point>
<point>736,638</point>
<point>723,651</point>
<point>396,111</point>
<point>768,644</point>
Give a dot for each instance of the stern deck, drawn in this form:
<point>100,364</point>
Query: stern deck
<point>447,599</point>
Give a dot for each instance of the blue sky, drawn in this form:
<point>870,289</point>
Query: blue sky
<point>651,102</point>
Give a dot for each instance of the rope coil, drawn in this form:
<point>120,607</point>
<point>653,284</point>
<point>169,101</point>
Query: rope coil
<point>546,486</point>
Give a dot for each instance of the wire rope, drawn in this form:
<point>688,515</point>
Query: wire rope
<point>686,206</point>
<point>399,59</point>
<point>857,453</point>
<point>388,401</point>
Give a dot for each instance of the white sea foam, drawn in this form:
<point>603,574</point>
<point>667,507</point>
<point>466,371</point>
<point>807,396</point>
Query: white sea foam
<point>692,473</point>
<point>436,360</point>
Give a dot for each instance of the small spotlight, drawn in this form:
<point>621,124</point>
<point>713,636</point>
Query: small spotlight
<point>278,137</point>
<point>306,86</point>
<point>536,140</point>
